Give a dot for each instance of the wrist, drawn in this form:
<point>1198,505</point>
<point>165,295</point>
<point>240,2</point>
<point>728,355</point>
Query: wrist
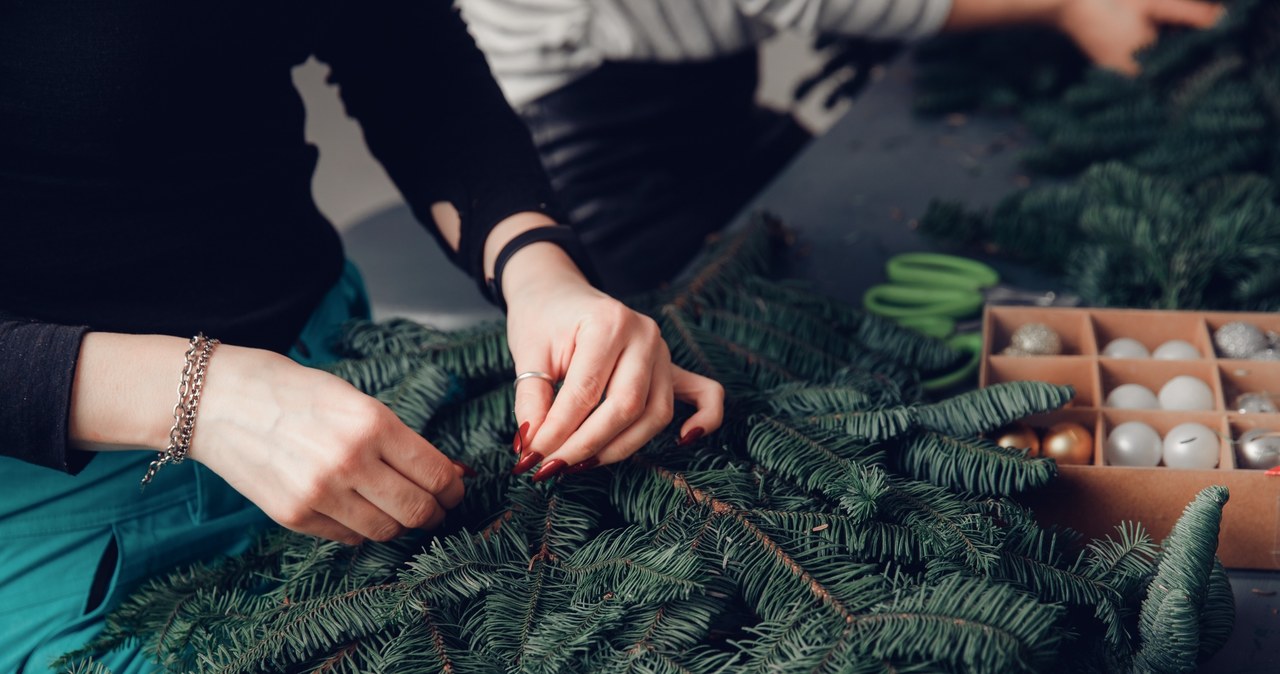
<point>124,391</point>
<point>538,269</point>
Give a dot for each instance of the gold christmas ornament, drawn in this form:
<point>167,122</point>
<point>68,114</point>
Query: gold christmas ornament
<point>1019,436</point>
<point>1068,443</point>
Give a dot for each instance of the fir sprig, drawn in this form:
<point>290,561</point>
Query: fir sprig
<point>836,523</point>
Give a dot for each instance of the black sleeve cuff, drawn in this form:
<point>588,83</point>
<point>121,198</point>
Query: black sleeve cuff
<point>37,368</point>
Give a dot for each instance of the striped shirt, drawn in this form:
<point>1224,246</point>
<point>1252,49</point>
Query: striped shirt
<point>537,46</point>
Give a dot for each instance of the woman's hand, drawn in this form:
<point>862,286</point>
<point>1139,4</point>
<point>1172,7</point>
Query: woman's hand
<point>314,453</point>
<point>1110,32</point>
<point>619,383</point>
<point>317,455</point>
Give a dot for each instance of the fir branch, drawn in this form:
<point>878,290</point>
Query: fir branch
<point>973,465</point>
<point>987,409</point>
<point>1169,623</point>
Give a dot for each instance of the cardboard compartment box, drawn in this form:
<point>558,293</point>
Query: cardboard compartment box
<point>1093,498</point>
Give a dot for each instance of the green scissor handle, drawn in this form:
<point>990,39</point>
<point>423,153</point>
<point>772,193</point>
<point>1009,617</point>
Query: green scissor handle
<point>969,343</point>
<point>938,327</point>
<point>940,271</point>
<point>902,301</point>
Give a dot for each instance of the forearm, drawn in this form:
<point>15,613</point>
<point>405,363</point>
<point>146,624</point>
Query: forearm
<point>971,14</point>
<point>124,390</point>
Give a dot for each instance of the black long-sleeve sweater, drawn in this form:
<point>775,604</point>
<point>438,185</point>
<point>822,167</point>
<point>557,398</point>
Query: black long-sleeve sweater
<point>154,177</point>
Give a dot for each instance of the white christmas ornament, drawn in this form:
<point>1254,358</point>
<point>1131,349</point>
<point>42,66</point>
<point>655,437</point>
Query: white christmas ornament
<point>1185,392</point>
<point>1133,443</point>
<point>1125,347</point>
<point>1191,445</point>
<point>1132,397</point>
<point>1176,349</point>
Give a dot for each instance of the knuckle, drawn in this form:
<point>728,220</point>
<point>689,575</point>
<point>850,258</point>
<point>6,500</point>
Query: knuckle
<point>418,514</point>
<point>587,395</point>
<point>313,492</point>
<point>296,517</point>
<point>649,328</point>
<point>438,477</point>
<point>663,409</point>
<point>386,531</point>
<point>628,408</point>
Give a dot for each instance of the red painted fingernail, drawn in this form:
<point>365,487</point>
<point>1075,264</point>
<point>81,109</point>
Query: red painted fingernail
<point>1273,471</point>
<point>549,470</point>
<point>517,443</point>
<point>527,460</point>
<point>691,437</point>
<point>467,471</point>
<point>590,463</point>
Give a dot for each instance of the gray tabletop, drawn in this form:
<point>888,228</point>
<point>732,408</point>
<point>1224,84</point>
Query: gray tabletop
<point>853,197</point>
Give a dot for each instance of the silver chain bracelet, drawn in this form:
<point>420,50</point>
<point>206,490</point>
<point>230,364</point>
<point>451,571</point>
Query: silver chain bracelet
<point>184,411</point>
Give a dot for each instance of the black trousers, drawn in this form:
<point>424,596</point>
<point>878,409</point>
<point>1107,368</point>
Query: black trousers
<point>647,159</point>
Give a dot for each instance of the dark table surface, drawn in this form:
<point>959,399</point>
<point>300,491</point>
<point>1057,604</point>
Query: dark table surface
<point>853,197</point>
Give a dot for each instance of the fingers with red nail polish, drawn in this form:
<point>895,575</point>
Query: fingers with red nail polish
<point>527,460</point>
<point>587,464</point>
<point>467,471</point>
<point>518,442</point>
<point>691,437</point>
<point>549,470</point>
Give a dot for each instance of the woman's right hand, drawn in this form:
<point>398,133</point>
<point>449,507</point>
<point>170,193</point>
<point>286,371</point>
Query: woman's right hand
<point>317,455</point>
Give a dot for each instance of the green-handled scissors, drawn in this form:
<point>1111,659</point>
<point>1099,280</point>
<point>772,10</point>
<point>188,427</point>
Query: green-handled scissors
<point>928,292</point>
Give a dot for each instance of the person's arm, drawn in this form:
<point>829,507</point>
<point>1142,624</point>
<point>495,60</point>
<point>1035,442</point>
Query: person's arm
<point>1108,31</point>
<point>412,76</point>
<point>37,365</point>
<point>314,453</point>
<point>434,118</point>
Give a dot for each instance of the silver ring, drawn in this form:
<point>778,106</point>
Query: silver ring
<point>534,375</point>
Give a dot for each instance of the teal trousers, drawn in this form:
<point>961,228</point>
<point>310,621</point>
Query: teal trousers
<point>59,532</point>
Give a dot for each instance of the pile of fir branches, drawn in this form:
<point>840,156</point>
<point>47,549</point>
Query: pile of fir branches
<point>1165,189</point>
<point>836,523</point>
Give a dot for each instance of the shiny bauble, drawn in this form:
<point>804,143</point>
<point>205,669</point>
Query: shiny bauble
<point>1256,403</point>
<point>1132,443</point>
<point>1185,392</point>
<point>1191,445</point>
<point>1068,443</point>
<point>1036,339</point>
<point>1239,340</point>
<point>1266,354</point>
<point>1259,449</point>
<point>1015,352</point>
<point>1132,397</point>
<point>1176,349</point>
<point>1125,347</point>
<point>1019,436</point>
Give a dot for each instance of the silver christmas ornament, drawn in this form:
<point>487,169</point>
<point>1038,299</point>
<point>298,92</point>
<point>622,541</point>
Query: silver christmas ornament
<point>1011,351</point>
<point>1239,340</point>
<point>1036,339</point>
<point>1259,449</point>
<point>1256,403</point>
<point>1266,354</point>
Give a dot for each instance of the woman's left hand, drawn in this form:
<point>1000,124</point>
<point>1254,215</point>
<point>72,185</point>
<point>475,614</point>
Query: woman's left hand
<point>1110,32</point>
<point>619,382</point>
